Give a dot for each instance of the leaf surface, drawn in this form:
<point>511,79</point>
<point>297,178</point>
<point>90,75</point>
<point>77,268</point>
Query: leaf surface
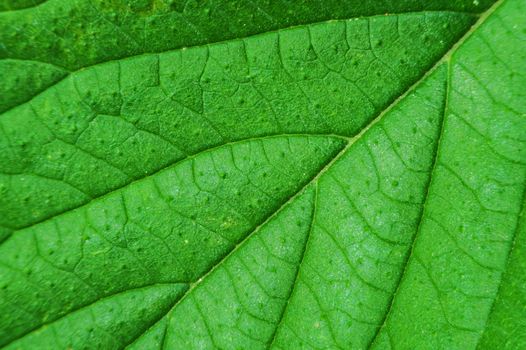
<point>321,177</point>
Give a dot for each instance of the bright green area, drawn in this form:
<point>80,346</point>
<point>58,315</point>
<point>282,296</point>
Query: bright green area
<point>349,184</point>
<point>470,219</point>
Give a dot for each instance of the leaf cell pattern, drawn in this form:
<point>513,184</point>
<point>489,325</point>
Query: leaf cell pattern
<point>357,183</point>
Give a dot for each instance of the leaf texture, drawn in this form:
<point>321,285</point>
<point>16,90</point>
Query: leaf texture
<point>328,176</point>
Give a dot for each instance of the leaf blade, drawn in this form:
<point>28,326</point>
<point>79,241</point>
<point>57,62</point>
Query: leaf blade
<point>485,171</point>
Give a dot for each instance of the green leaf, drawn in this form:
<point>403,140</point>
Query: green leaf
<point>246,175</point>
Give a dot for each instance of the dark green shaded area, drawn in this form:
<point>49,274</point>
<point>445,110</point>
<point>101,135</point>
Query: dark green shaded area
<point>79,33</point>
<point>23,79</point>
<point>11,5</point>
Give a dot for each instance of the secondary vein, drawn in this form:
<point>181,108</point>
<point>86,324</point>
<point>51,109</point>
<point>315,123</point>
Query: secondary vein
<point>85,306</point>
<point>409,254</point>
<point>296,277</point>
<point>446,58</point>
<point>206,44</point>
<point>522,213</point>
